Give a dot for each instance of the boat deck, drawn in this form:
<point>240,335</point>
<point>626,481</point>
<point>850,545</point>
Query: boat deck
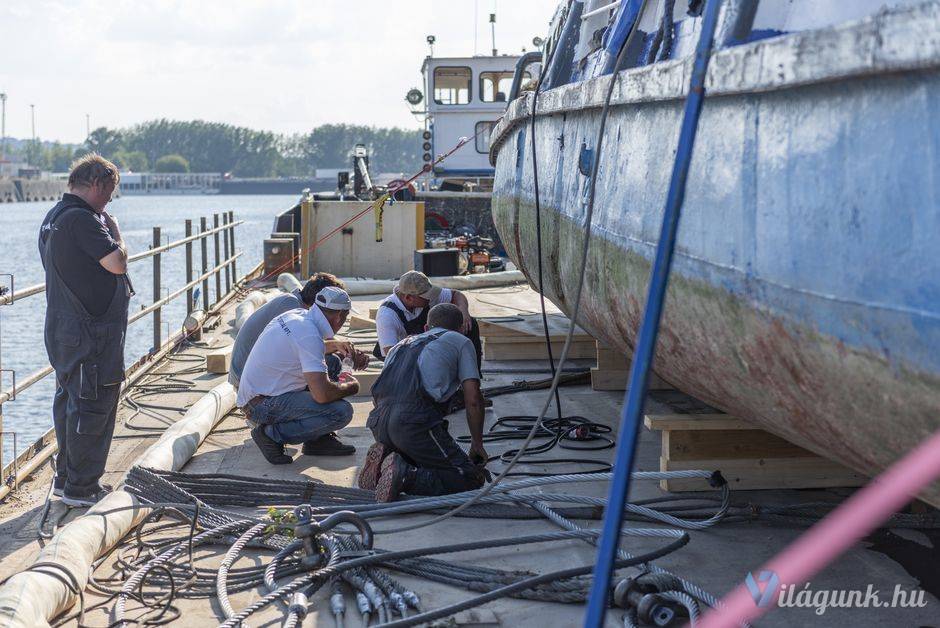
<point>717,558</point>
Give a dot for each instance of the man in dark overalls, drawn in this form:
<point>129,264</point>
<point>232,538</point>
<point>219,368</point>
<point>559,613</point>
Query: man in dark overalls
<point>405,313</point>
<point>87,294</point>
<point>414,453</point>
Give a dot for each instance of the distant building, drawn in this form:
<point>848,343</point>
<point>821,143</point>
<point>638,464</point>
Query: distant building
<point>137,183</point>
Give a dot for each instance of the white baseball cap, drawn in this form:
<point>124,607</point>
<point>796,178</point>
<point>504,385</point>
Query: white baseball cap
<point>333,298</point>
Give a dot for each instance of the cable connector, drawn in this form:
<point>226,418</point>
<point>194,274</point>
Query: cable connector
<point>298,605</point>
<point>338,604</point>
<point>412,599</point>
<point>398,602</point>
<point>362,603</point>
<point>717,480</point>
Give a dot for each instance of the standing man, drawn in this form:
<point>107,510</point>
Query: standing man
<point>414,453</point>
<point>405,313</point>
<point>87,293</point>
<point>301,298</point>
<point>284,390</point>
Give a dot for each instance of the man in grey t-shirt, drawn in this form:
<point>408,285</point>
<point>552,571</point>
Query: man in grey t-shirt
<point>414,452</point>
<point>252,328</point>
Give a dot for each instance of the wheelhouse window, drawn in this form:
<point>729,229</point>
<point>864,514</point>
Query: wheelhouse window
<point>495,86</point>
<point>452,85</point>
<point>482,133</point>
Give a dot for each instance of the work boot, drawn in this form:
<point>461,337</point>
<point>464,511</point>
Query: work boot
<point>328,445</point>
<point>84,501</point>
<point>58,487</point>
<point>392,478</point>
<point>372,467</point>
<point>272,451</point>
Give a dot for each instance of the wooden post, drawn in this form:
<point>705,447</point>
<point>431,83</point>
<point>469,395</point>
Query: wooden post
<point>157,331</point>
<point>189,268</point>
<point>218,253</point>
<point>203,227</point>
<point>231,221</point>
<point>225,240</point>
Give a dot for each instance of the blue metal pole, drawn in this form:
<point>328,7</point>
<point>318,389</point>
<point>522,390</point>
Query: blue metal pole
<point>649,330</point>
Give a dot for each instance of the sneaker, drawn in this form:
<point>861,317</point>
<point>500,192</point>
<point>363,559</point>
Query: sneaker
<point>84,501</point>
<point>391,478</point>
<point>272,451</point>
<point>328,445</point>
<point>369,475</point>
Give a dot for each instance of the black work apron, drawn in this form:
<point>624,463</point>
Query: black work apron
<point>412,327</point>
<point>76,341</point>
<point>398,392</point>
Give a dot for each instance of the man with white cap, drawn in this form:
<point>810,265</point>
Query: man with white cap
<point>405,313</point>
<point>284,389</point>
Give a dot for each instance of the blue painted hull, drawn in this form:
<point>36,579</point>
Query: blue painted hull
<point>806,288</point>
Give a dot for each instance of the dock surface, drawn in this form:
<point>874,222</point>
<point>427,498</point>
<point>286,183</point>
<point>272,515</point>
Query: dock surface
<point>717,559</point>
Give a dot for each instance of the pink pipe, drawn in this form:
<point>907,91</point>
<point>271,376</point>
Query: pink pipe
<point>841,529</point>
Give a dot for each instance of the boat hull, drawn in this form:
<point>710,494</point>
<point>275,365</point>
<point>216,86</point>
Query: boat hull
<point>805,292</point>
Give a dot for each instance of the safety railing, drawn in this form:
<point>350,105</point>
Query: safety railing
<point>225,257</point>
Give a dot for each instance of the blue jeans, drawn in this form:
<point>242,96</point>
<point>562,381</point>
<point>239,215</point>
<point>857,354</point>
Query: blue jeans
<point>295,417</point>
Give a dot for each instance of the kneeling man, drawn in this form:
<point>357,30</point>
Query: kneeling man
<point>414,453</point>
<point>405,313</point>
<point>284,388</point>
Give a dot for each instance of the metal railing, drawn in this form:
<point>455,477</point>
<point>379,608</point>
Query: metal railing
<point>222,234</point>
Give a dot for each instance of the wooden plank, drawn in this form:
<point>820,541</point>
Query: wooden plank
<point>527,326</point>
<point>722,444</point>
<point>604,379</point>
<point>764,473</point>
<point>535,350</point>
<point>356,322</point>
<point>696,422</point>
<point>372,312</point>
<point>220,360</point>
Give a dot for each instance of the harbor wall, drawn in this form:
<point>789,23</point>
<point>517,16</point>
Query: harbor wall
<point>7,191</point>
<point>27,190</point>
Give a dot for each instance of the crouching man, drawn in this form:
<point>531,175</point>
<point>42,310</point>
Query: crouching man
<point>414,453</point>
<point>284,389</point>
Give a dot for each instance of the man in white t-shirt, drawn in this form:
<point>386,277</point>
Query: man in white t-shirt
<point>405,313</point>
<point>284,389</point>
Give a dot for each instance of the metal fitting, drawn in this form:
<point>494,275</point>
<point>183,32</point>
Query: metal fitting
<point>298,605</point>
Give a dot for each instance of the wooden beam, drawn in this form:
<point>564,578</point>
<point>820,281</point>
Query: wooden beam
<point>220,360</point>
<point>696,422</point>
<point>366,381</point>
<point>604,379</point>
<point>356,322</point>
<point>534,350</point>
<point>763,473</point>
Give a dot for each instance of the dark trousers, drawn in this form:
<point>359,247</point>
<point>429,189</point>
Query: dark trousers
<point>442,467</point>
<point>83,431</point>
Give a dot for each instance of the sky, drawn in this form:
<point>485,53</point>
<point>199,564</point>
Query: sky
<point>278,65</point>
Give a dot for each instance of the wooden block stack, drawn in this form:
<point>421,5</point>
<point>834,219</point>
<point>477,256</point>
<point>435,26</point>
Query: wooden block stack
<point>522,338</point>
<point>613,372</point>
<point>747,456</point>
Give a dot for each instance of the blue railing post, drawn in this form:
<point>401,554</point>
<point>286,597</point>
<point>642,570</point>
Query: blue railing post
<point>649,329</point>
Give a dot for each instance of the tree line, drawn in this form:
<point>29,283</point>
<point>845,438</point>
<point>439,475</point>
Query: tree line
<point>199,146</point>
